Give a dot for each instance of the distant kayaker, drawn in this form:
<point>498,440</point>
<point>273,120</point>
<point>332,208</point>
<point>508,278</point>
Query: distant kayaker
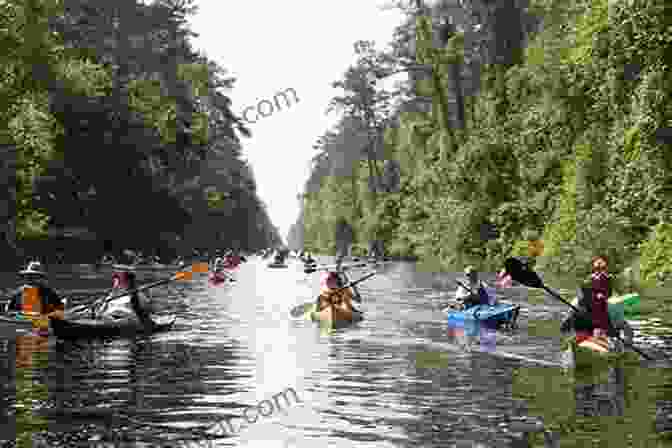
<point>35,295</point>
<point>504,280</point>
<point>330,283</point>
<point>472,292</point>
<point>131,306</point>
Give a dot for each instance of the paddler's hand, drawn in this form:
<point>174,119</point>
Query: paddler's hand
<point>58,314</point>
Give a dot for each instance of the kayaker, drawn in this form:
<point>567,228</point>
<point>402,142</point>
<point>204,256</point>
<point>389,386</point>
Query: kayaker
<point>331,282</point>
<point>593,304</point>
<point>504,280</point>
<point>476,294</point>
<point>47,301</point>
<point>133,305</point>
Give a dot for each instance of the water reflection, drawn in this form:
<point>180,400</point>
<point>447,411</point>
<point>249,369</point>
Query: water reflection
<point>399,378</point>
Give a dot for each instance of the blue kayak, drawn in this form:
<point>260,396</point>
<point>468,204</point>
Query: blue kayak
<point>496,315</point>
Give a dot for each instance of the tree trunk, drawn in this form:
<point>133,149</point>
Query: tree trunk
<point>459,99</point>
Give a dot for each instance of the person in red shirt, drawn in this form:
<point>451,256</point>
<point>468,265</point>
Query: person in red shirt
<point>601,291</point>
<point>593,303</point>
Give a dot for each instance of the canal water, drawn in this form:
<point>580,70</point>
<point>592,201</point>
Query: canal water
<point>238,371</point>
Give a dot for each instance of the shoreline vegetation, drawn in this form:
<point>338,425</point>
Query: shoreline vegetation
<point>555,130</point>
<point>114,124</point>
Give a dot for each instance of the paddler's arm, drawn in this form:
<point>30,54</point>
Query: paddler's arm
<point>461,293</point>
<point>54,302</point>
<point>568,324</point>
<point>15,300</point>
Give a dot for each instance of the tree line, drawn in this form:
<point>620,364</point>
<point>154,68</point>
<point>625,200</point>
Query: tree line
<point>529,119</point>
<point>112,122</point>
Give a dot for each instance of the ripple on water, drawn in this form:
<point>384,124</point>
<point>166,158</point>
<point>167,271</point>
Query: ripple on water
<point>396,379</point>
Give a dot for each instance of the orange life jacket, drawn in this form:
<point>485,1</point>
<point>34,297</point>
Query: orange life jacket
<point>341,298</point>
<point>31,302</point>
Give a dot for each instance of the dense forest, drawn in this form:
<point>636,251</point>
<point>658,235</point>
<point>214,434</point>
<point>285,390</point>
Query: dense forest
<point>519,121</point>
<point>115,128</point>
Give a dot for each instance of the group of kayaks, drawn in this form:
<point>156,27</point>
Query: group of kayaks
<point>81,322</point>
<point>76,324</point>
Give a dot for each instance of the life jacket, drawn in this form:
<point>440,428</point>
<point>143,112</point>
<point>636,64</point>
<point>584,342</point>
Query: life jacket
<point>343,297</point>
<point>31,300</point>
<point>483,295</point>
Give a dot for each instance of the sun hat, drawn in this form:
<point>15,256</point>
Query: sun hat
<point>469,270</point>
<point>34,268</point>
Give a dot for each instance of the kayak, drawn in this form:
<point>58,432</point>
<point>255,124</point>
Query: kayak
<point>592,352</point>
<point>499,314</point>
<point>624,307</point>
<point>277,265</point>
<point>333,317</point>
<point>98,328</point>
<point>621,308</point>
<point>11,326</point>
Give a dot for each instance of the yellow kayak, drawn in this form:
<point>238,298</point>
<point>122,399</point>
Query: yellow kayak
<point>333,317</point>
<point>592,352</point>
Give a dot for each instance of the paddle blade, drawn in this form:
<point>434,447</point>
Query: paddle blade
<point>183,276</point>
<point>300,310</point>
<point>201,268</point>
<point>520,271</point>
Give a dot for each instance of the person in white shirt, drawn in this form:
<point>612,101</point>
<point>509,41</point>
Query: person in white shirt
<point>132,306</point>
<point>472,292</point>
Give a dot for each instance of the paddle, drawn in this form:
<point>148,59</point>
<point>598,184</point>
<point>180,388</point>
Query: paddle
<point>182,275</point>
<point>310,269</point>
<point>357,296</point>
<point>299,310</point>
<point>521,272</point>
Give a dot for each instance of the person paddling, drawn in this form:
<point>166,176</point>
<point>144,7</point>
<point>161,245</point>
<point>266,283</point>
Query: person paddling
<point>593,304</point>
<point>331,282</point>
<point>131,306</point>
<point>35,295</point>
<point>471,291</point>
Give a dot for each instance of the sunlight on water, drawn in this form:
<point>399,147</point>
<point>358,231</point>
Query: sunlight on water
<point>396,379</point>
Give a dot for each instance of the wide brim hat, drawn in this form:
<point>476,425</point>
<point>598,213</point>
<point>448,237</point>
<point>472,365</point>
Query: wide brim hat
<point>34,268</point>
<point>124,268</point>
<point>469,270</point>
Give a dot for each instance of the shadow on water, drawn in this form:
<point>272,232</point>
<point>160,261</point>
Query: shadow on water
<point>397,379</point>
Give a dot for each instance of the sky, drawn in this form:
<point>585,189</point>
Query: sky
<point>272,46</point>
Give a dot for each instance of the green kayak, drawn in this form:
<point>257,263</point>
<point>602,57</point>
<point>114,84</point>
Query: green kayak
<point>621,308</point>
<point>624,307</point>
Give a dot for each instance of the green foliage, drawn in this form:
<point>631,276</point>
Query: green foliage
<point>81,133</point>
<point>657,253</point>
<point>562,142</point>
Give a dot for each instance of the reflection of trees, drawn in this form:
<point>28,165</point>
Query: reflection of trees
<point>608,404</point>
<point>150,385</point>
<point>434,399</point>
<point>31,356</point>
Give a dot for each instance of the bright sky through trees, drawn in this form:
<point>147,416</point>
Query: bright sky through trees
<point>272,46</point>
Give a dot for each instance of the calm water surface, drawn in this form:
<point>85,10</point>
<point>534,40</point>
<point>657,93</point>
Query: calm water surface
<point>397,379</point>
